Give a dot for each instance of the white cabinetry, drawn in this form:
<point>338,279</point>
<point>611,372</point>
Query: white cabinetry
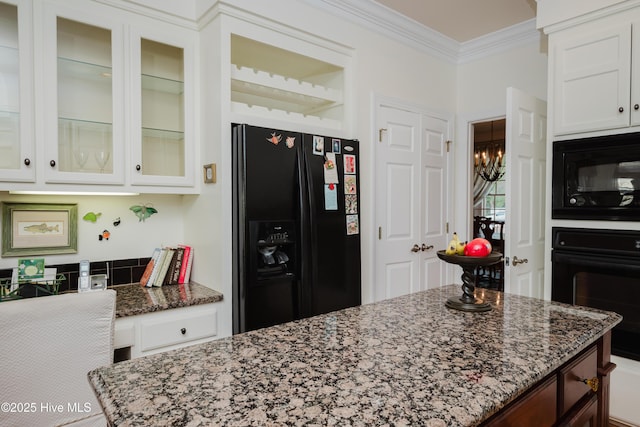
<point>162,80</point>
<point>16,119</point>
<point>83,95</point>
<point>114,101</point>
<point>284,77</point>
<point>166,330</point>
<point>594,76</point>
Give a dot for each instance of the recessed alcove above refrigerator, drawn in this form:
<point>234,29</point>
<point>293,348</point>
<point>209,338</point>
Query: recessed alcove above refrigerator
<point>280,84</point>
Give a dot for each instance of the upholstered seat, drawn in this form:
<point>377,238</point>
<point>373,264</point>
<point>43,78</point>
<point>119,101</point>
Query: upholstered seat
<point>47,347</point>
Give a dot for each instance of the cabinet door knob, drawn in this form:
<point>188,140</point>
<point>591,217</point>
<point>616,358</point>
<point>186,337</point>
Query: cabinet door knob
<point>621,110</point>
<point>138,167</point>
<point>183,331</point>
<point>593,383</point>
<point>636,106</point>
<point>52,163</point>
<point>415,248</point>
<point>27,161</point>
<point>425,247</point>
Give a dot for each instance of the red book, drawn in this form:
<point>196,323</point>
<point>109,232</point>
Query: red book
<point>183,267</point>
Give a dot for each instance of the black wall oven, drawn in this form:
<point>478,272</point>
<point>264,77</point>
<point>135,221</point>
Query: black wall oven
<point>597,178</point>
<point>601,269</point>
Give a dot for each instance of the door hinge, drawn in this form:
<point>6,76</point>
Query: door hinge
<point>448,144</point>
<point>379,233</point>
<point>380,134</point>
<point>446,228</point>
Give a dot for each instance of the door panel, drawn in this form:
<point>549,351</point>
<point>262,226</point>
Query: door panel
<point>525,201</point>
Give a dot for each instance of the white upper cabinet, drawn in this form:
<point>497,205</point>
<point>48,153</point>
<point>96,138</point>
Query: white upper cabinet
<point>83,97</point>
<point>162,116</point>
<point>16,119</point>
<point>595,76</point>
<point>112,92</point>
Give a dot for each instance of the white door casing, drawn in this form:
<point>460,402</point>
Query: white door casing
<point>411,200</point>
<point>525,194</point>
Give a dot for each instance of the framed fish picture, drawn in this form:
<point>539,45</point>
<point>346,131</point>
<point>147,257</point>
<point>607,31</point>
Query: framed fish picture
<point>39,229</point>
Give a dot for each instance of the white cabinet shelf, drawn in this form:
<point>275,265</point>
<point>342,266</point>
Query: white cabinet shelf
<point>162,84</point>
<point>268,82</point>
<point>263,84</point>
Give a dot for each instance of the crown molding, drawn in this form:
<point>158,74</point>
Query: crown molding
<point>499,41</point>
<point>383,20</point>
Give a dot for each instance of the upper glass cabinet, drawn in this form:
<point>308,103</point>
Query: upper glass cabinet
<point>162,95</point>
<point>85,104</point>
<point>162,116</point>
<point>16,141</point>
<point>83,107</point>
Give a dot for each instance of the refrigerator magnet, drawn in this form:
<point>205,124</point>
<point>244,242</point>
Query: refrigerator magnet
<point>330,197</point>
<point>351,203</point>
<point>290,141</point>
<point>350,184</point>
<point>335,145</point>
<point>318,145</point>
<point>274,139</point>
<point>349,164</point>
<point>330,169</point>
<point>352,225</point>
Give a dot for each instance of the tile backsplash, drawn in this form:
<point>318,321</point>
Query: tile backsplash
<point>121,271</point>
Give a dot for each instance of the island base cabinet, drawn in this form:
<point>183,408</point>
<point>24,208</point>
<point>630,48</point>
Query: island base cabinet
<point>536,409</point>
<point>564,398</point>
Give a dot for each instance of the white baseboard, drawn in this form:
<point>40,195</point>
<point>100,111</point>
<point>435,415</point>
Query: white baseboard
<point>625,392</point>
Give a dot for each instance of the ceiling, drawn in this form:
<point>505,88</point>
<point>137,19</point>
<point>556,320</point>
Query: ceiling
<point>464,20</point>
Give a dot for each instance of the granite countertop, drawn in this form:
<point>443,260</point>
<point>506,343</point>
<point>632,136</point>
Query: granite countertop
<point>404,361</point>
<point>134,299</point>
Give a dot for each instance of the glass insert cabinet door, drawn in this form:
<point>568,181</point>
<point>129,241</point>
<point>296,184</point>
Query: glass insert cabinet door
<point>86,94</point>
<point>85,121</point>
<point>16,141</point>
<point>162,96</point>
<point>162,115</point>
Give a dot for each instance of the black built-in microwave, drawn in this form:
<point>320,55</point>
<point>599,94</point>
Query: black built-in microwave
<point>597,178</point>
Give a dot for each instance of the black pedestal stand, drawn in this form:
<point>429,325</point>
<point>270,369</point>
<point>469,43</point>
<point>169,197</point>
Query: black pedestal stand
<point>468,302</point>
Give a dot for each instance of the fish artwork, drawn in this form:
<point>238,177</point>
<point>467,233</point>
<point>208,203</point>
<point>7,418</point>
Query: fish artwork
<point>42,228</point>
<point>275,139</point>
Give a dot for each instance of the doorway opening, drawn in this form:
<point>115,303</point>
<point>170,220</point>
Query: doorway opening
<point>489,195</point>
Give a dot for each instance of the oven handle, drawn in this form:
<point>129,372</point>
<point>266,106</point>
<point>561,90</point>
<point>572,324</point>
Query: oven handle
<point>575,258</point>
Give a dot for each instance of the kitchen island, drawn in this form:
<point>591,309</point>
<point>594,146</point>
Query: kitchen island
<point>404,361</point>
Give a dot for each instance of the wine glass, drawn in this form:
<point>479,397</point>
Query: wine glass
<point>81,158</point>
<point>102,158</point>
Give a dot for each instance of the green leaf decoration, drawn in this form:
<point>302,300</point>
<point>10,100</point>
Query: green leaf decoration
<point>91,216</point>
<point>143,211</point>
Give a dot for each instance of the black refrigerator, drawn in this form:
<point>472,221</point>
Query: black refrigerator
<point>296,226</point>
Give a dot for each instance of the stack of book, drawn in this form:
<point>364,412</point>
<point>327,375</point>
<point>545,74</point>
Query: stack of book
<point>168,266</point>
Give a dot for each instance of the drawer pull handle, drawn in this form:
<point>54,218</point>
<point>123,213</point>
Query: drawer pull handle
<point>593,383</point>
<point>184,331</point>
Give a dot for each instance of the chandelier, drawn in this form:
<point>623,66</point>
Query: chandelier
<point>488,164</point>
<point>488,157</point>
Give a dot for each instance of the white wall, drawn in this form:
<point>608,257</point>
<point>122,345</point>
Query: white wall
<point>130,239</point>
<point>482,95</point>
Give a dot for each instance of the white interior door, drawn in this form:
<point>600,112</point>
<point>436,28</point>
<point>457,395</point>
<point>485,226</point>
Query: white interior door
<point>435,141</point>
<point>411,185</point>
<point>525,154</point>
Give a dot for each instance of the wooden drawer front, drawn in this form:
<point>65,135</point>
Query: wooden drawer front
<point>178,327</point>
<point>537,408</point>
<point>571,388</point>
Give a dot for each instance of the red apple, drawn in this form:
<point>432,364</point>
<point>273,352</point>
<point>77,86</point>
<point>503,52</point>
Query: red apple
<point>478,247</point>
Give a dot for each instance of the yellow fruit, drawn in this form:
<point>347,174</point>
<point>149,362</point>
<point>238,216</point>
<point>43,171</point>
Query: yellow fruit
<point>452,247</point>
<point>460,247</point>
